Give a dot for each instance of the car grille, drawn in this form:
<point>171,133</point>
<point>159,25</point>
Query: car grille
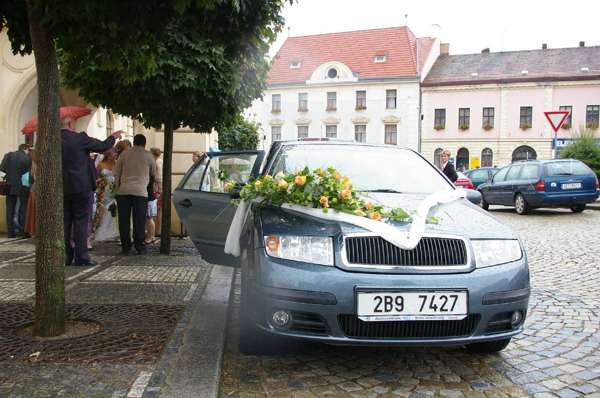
<point>374,250</point>
<point>354,327</point>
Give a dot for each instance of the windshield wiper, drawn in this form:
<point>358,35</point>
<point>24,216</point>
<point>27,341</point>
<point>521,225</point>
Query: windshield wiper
<point>381,191</point>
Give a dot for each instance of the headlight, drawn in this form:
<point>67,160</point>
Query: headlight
<point>494,252</point>
<point>308,249</point>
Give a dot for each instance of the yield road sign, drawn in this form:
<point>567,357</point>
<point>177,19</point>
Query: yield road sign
<point>556,119</point>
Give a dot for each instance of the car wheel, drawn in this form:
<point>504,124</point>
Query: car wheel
<point>489,347</point>
<point>521,205</point>
<point>577,208</point>
<point>484,205</point>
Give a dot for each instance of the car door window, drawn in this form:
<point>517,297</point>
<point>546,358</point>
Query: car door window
<point>193,179</point>
<point>478,175</point>
<point>228,168</point>
<point>529,172</point>
<point>513,173</point>
<point>501,175</point>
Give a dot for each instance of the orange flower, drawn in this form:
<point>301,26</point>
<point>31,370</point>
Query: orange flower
<point>324,201</point>
<point>300,180</point>
<point>375,215</point>
<point>346,194</point>
<point>229,186</point>
<point>282,185</point>
<point>337,175</point>
<point>368,205</point>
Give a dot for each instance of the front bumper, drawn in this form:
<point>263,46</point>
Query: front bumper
<point>320,298</point>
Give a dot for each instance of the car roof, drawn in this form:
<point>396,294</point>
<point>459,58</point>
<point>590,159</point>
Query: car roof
<point>544,161</point>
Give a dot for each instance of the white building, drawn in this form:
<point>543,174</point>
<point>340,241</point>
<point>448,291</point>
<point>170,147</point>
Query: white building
<point>360,85</point>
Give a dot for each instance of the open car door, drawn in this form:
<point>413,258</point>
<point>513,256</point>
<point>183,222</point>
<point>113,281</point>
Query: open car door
<point>203,205</point>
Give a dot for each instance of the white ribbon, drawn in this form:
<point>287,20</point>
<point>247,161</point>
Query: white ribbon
<point>403,239</point>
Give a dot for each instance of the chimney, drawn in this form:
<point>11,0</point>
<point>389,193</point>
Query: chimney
<point>485,50</point>
<point>581,44</point>
<point>444,48</point>
<point>544,46</point>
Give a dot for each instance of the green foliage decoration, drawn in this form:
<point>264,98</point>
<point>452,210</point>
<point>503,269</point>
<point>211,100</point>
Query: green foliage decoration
<point>585,148</point>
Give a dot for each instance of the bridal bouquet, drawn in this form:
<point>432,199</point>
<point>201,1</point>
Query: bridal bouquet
<point>321,189</point>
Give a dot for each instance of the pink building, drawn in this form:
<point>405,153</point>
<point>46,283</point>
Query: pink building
<point>488,109</point>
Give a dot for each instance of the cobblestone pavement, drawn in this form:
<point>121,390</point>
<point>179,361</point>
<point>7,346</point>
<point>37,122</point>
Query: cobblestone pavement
<point>557,356</point>
<point>138,298</point>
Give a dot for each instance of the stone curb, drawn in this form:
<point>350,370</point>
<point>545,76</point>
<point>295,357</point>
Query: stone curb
<point>191,364</point>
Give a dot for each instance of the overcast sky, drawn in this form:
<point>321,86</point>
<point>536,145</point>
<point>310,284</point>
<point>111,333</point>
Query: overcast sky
<point>468,25</point>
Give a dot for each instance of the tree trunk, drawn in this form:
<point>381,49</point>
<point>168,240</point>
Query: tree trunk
<point>50,247</point>
<point>165,232</point>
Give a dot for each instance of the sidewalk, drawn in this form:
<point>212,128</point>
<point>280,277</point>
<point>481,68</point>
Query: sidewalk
<point>145,306</point>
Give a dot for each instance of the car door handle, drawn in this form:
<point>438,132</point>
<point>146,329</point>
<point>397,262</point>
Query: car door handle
<point>186,203</point>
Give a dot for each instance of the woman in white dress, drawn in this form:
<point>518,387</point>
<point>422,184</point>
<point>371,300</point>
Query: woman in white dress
<point>105,220</point>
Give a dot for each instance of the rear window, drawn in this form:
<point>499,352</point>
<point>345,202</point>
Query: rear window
<point>567,168</point>
<point>513,174</point>
<point>529,172</point>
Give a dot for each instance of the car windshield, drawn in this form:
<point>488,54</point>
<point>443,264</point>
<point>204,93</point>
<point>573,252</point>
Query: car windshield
<point>369,168</point>
<point>569,168</point>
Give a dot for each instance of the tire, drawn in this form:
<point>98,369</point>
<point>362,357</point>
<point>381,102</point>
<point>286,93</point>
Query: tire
<point>489,347</point>
<point>577,208</point>
<point>521,205</point>
<point>484,205</point>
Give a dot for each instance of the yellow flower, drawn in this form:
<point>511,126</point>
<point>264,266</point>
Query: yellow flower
<point>337,175</point>
<point>268,178</point>
<point>346,194</point>
<point>345,182</point>
<point>279,176</point>
<point>324,201</point>
<point>368,205</point>
<point>375,215</point>
<point>359,212</point>
<point>257,185</point>
<point>282,185</point>
<point>319,171</point>
<point>300,180</point>
<point>229,186</point>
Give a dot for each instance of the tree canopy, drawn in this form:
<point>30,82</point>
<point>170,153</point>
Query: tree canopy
<point>238,135</point>
<point>585,148</point>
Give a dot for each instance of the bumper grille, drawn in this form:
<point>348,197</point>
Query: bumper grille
<point>374,250</point>
<point>354,327</point>
<point>305,322</point>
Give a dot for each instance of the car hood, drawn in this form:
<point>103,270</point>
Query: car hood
<point>461,218</point>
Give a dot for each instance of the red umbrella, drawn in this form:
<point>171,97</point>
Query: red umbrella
<point>74,112</point>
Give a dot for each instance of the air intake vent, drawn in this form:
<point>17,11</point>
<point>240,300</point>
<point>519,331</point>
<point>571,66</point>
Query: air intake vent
<point>374,250</point>
<point>305,322</point>
<point>354,327</point>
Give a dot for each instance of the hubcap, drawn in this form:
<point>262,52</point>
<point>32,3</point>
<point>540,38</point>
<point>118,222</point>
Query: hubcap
<point>519,204</point>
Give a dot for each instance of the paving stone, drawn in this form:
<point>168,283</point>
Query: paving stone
<point>154,274</point>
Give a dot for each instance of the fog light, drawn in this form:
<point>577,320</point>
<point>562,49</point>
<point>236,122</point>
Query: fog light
<point>281,318</point>
<point>516,318</point>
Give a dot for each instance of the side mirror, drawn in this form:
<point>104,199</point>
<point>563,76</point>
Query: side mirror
<point>473,196</point>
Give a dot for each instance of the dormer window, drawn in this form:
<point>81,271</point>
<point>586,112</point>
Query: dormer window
<point>295,64</point>
<point>585,69</point>
<point>379,58</point>
<point>332,73</point>
<point>524,72</point>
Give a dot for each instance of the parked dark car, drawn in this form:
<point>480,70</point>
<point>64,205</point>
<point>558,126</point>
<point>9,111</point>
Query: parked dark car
<point>549,183</point>
<point>465,283</point>
<point>481,175</point>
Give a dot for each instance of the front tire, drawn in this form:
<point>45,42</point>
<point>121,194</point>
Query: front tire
<point>521,205</point>
<point>489,347</point>
<point>577,208</point>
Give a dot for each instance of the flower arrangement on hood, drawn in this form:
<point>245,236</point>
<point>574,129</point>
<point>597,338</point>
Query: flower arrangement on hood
<point>322,189</point>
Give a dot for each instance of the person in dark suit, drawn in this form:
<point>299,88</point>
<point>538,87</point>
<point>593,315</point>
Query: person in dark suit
<point>447,167</point>
<point>78,184</point>
<point>15,164</point>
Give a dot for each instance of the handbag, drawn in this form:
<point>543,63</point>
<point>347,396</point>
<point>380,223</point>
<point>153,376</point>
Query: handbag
<point>4,188</point>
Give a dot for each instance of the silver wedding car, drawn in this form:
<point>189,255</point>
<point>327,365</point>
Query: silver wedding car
<point>465,283</point>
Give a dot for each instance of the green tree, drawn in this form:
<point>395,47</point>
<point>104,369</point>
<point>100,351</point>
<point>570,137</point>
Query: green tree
<point>211,64</point>
<point>584,148</point>
<point>238,135</point>
<point>106,32</point>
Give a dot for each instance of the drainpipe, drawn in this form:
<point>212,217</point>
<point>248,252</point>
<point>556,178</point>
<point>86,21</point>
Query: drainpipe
<point>420,102</point>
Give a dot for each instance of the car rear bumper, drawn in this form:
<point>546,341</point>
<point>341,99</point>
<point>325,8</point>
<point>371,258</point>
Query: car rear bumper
<point>321,302</point>
<point>559,199</point>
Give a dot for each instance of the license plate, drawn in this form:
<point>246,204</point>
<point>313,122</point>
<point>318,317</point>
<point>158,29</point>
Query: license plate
<point>573,185</point>
<point>412,305</point>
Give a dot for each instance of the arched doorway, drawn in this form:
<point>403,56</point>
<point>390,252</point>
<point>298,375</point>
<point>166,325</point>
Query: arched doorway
<point>437,157</point>
<point>462,159</point>
<point>487,157</point>
<point>524,152</point>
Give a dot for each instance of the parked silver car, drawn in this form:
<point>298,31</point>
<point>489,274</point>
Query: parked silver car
<point>466,283</point>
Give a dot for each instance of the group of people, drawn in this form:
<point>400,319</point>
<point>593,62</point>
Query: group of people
<point>105,186</point>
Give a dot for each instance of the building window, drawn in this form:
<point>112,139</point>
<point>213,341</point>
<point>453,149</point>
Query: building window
<point>524,152</point>
<point>109,123</point>
<point>391,134</point>
<point>526,117</point>
<point>462,159</point>
<point>488,118</point>
<point>360,133</point>
<point>276,103</point>
<point>295,64</point>
<point>331,131</point>
<point>379,59</point>
<point>331,101</point>
<point>487,157</point>
<point>437,157</point>
<point>567,123</point>
<point>464,115</point>
<point>302,102</point>
<point>302,132</point>
<point>439,122</point>
<point>390,99</point>
<point>592,116</point>
<point>332,73</point>
<point>275,133</point>
<point>361,99</point>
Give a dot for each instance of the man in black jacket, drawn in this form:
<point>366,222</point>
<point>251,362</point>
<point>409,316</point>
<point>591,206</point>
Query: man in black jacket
<point>15,164</point>
<point>79,184</point>
<point>447,167</point>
